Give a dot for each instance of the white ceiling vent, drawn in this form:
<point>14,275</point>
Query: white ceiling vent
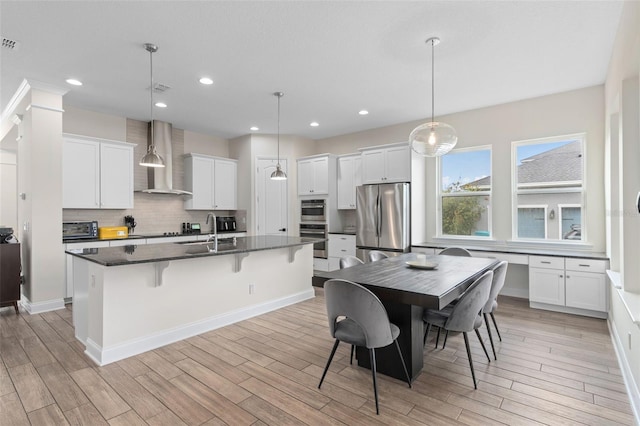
<point>7,43</point>
<point>160,88</point>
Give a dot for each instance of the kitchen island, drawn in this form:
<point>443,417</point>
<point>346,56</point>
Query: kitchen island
<point>132,299</point>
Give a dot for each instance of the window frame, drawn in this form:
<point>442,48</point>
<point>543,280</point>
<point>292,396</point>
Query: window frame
<point>563,187</point>
<point>440,194</point>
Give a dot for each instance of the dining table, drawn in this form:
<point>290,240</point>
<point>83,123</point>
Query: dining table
<point>407,284</point>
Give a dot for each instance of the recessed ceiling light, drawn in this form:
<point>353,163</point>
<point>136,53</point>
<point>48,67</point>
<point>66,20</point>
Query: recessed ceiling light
<point>363,112</point>
<point>314,124</point>
<point>74,82</point>
<point>161,105</point>
<point>254,128</point>
<point>206,80</point>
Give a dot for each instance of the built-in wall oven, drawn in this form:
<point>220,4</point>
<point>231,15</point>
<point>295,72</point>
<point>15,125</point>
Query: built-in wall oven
<point>313,210</point>
<point>315,231</point>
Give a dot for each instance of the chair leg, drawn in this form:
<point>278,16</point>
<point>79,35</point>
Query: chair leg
<point>496,325</point>
<point>404,366</point>
<point>438,337</point>
<point>446,334</point>
<point>483,346</point>
<point>352,349</point>
<point>372,355</point>
<point>333,352</point>
<point>426,334</point>
<point>486,321</point>
<point>473,373</point>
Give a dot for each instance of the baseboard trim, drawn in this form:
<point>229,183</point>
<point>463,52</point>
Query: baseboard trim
<point>520,293</point>
<point>40,307</point>
<point>629,381</point>
<point>103,356</point>
<point>568,310</point>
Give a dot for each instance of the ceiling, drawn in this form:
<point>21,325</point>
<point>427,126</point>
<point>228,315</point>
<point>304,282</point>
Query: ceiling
<point>330,58</point>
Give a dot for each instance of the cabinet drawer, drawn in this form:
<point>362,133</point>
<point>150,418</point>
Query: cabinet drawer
<point>320,264</point>
<point>586,265</point>
<point>547,262</point>
<point>342,245</point>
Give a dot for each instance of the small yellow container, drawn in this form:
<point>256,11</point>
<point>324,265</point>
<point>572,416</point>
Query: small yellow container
<point>110,232</point>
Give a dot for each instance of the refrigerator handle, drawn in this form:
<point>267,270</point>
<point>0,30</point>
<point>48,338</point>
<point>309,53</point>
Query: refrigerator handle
<point>378,216</point>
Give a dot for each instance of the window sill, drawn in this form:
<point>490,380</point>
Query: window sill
<point>556,245</point>
<point>631,301</point>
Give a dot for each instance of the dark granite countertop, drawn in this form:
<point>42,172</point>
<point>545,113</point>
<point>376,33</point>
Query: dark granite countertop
<point>134,237</point>
<point>522,250</point>
<point>147,253</point>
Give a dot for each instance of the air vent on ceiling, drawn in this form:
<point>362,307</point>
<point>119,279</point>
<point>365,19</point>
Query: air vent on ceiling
<point>160,88</point>
<point>7,43</point>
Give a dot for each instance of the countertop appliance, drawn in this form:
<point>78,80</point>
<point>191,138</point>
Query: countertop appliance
<point>382,218</point>
<point>109,232</point>
<point>79,230</point>
<point>226,223</point>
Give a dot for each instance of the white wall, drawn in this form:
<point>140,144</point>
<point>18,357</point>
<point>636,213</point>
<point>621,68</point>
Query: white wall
<point>559,114</point>
<point>8,187</point>
<point>622,115</point>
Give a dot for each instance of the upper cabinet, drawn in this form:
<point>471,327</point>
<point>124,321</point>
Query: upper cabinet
<point>349,177</point>
<point>96,173</point>
<point>316,175</point>
<point>212,181</point>
<point>386,164</point>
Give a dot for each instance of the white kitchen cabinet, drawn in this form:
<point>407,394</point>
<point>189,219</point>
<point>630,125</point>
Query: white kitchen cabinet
<point>340,245</point>
<point>212,182</point>
<point>574,283</point>
<point>349,178</point>
<point>386,164</point>
<point>96,174</point>
<point>316,175</point>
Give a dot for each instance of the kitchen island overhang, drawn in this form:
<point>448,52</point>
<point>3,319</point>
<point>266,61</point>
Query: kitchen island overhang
<point>128,300</point>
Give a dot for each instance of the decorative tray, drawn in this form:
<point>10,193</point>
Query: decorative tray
<point>422,264</point>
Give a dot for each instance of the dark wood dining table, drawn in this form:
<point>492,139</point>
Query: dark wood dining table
<point>405,291</point>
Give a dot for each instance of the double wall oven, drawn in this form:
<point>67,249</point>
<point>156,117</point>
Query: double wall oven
<point>313,224</point>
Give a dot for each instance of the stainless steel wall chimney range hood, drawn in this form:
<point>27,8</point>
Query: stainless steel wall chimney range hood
<point>160,179</point>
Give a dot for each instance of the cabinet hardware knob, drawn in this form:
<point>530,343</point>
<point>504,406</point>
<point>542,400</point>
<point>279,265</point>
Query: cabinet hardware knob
<point>568,276</point>
<point>560,276</point>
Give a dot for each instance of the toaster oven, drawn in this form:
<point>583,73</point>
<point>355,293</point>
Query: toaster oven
<point>79,230</point>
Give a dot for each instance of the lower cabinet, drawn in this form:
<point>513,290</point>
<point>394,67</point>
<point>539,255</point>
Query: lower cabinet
<point>340,245</point>
<point>574,283</point>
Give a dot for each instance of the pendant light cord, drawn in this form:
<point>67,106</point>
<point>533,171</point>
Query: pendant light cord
<point>279,96</point>
<point>151,97</point>
<point>433,95</point>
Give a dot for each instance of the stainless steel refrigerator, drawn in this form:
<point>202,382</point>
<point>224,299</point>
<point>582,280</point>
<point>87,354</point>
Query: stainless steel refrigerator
<point>383,218</point>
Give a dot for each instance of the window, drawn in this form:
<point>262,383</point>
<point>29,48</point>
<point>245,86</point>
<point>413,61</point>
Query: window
<point>548,182</point>
<point>465,193</point>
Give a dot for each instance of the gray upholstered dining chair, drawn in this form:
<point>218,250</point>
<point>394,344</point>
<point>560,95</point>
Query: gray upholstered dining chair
<point>456,251</point>
<point>499,274</point>
<point>356,316</point>
<point>465,315</point>
<point>375,255</point>
<point>349,261</point>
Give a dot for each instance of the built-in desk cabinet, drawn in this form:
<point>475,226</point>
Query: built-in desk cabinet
<point>568,282</point>
<point>349,178</point>
<point>212,182</point>
<point>96,173</point>
<point>386,164</point>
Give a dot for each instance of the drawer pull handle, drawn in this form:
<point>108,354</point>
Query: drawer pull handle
<point>582,264</point>
<point>545,262</point>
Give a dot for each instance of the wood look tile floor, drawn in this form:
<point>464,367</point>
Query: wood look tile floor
<point>552,368</point>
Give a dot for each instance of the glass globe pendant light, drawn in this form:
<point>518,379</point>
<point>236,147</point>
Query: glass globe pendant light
<point>435,138</point>
<point>151,158</point>
<point>278,174</point>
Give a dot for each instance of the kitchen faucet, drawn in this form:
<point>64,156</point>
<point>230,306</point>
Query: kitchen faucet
<point>214,227</point>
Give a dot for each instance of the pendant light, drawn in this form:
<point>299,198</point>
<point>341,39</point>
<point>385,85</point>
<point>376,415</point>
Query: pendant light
<point>151,158</point>
<point>278,174</point>
<point>434,138</point>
